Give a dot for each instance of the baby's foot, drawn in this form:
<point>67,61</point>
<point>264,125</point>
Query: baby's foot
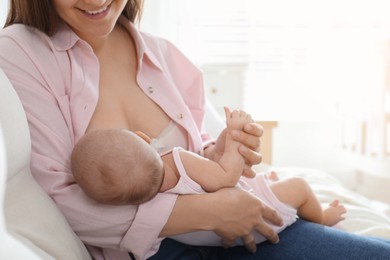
<point>273,176</point>
<point>333,214</point>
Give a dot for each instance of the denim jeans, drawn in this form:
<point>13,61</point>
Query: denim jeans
<point>302,240</point>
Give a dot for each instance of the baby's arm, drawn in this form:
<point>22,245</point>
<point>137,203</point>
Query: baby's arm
<point>231,160</point>
<point>211,175</point>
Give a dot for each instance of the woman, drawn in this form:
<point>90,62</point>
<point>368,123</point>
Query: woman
<point>80,65</point>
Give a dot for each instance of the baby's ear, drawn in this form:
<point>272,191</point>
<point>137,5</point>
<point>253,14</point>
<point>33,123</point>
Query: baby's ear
<point>143,136</point>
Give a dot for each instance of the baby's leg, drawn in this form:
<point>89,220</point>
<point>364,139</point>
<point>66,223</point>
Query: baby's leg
<point>296,192</point>
<point>273,176</point>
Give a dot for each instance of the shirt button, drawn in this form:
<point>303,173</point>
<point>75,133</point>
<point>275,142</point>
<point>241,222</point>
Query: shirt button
<point>150,90</point>
<point>180,116</point>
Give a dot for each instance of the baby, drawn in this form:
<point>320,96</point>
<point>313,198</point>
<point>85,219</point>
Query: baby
<point>117,166</point>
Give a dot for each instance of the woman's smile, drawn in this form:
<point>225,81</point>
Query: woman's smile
<point>90,20</point>
<point>97,14</point>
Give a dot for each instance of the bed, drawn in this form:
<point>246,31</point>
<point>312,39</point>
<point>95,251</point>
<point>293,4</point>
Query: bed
<point>364,216</point>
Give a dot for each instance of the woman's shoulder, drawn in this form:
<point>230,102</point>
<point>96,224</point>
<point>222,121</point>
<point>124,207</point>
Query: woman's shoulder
<point>19,40</point>
<point>29,45</point>
<point>33,40</point>
<point>31,55</point>
<point>22,34</point>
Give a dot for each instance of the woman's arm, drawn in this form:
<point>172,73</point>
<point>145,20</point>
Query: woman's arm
<point>210,175</point>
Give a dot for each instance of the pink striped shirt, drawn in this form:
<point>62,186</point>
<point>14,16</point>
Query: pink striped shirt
<point>57,80</point>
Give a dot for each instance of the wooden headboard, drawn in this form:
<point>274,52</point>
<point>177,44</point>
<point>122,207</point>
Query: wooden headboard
<point>266,140</point>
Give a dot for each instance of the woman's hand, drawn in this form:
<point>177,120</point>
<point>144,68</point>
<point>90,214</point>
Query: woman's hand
<point>249,137</point>
<point>250,148</point>
<point>237,213</point>
<point>232,213</point>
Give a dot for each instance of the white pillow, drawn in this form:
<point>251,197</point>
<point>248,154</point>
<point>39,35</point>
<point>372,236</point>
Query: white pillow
<point>31,216</point>
<point>10,248</point>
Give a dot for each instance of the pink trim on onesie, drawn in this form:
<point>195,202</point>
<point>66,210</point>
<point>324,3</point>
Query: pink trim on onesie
<point>185,185</point>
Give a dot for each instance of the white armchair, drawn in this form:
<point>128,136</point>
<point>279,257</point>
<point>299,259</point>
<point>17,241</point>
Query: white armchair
<point>34,227</point>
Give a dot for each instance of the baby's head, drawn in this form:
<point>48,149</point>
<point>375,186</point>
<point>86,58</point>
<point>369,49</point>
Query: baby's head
<point>116,166</point>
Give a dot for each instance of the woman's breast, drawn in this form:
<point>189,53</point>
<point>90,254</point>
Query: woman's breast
<point>132,110</point>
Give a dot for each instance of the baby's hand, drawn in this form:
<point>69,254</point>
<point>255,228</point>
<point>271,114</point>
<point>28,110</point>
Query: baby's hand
<point>237,119</point>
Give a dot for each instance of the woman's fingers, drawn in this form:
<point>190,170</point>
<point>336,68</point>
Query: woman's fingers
<point>254,129</point>
<point>249,242</point>
<point>252,133</point>
<point>240,213</point>
<point>226,243</point>
<point>252,141</point>
<point>251,157</point>
<point>248,172</point>
<point>264,229</point>
<point>271,216</point>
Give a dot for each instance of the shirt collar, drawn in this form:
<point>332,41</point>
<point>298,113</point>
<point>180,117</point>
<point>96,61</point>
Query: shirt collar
<point>64,39</point>
<point>141,47</point>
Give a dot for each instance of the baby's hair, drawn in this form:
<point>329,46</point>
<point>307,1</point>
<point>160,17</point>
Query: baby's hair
<point>114,166</point>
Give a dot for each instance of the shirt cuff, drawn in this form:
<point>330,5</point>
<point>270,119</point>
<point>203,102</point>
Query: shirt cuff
<point>142,239</point>
<point>207,144</point>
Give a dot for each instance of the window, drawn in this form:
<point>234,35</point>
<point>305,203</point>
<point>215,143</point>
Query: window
<point>3,12</point>
<point>303,59</point>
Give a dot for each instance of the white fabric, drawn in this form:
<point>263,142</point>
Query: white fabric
<point>364,216</point>
<point>260,188</point>
<point>173,135</point>
<point>10,248</point>
<point>30,215</point>
<point>185,185</point>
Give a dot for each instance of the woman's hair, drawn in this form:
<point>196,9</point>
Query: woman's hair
<point>41,14</point>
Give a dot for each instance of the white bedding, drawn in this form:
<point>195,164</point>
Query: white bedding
<point>364,216</point>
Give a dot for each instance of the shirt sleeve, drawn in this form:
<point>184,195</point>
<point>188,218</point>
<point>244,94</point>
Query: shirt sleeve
<point>33,72</point>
